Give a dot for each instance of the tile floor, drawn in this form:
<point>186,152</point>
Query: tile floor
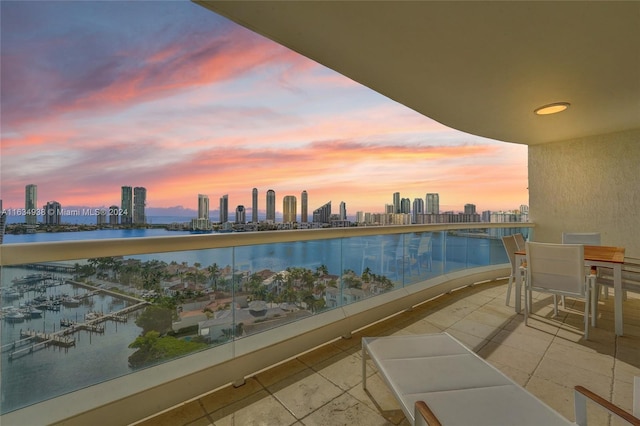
<point>548,357</point>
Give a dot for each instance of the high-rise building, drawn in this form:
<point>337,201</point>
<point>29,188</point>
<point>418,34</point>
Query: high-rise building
<point>241,215</point>
<point>101,217</point>
<point>52,213</point>
<point>139,205</point>
<point>113,215</point>
<point>304,207</point>
<point>396,202</point>
<point>3,222</point>
<point>343,210</point>
<point>289,209</point>
<point>30,204</point>
<point>418,209</point>
<point>203,206</point>
<point>469,209</point>
<point>126,204</point>
<point>224,208</point>
<point>323,214</point>
<point>405,206</point>
<point>433,204</point>
<point>254,205</point>
<point>271,205</point>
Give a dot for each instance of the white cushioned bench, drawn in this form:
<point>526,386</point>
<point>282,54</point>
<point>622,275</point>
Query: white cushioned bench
<point>458,386</point>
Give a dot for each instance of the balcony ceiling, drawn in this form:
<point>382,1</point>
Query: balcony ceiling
<point>480,67</point>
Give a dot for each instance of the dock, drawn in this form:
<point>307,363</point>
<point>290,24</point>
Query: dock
<point>39,341</point>
<point>31,340</point>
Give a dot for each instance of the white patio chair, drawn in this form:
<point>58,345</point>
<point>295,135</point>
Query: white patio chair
<point>421,254</point>
<point>510,246</point>
<point>520,241</point>
<point>586,238</point>
<point>583,395</point>
<point>396,258</point>
<point>558,269</point>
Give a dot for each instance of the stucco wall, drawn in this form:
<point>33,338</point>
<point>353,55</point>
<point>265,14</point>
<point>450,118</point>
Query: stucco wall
<point>587,185</point>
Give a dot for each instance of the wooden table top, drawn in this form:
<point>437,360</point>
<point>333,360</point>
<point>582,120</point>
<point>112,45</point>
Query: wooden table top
<point>599,254</point>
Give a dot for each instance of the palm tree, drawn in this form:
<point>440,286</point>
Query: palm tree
<point>322,270</point>
<point>258,291</point>
<point>214,271</point>
<point>278,279</point>
<point>366,275</point>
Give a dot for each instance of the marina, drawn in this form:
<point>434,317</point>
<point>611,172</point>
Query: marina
<point>59,334</point>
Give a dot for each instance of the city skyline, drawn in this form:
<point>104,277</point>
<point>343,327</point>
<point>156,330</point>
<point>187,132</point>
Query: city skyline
<point>197,105</point>
<point>202,209</point>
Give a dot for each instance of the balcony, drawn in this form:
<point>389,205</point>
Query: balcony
<point>369,274</point>
<point>324,386</point>
<point>320,350</point>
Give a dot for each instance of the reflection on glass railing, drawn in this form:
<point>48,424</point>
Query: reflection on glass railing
<point>69,325</point>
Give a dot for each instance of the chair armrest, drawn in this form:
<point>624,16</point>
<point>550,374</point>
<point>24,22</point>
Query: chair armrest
<point>581,407</point>
<point>427,415</point>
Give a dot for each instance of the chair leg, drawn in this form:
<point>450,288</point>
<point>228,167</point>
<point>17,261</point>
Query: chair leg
<point>595,295</point>
<point>586,315</point>
<point>555,305</point>
<point>527,306</point>
<point>509,290</point>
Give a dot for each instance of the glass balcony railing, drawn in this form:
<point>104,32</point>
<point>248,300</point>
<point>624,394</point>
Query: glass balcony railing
<point>76,314</point>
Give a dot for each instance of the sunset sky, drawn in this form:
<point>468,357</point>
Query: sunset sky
<point>172,97</point>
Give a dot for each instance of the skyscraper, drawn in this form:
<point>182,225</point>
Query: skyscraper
<point>30,204</point>
<point>52,213</point>
<point>113,215</point>
<point>240,214</point>
<point>405,205</point>
<point>271,205</point>
<point>3,222</point>
<point>469,209</point>
<point>139,205</point>
<point>433,204</point>
<point>304,207</point>
<point>101,217</point>
<point>203,206</point>
<point>323,214</point>
<point>396,202</point>
<point>343,210</point>
<point>224,208</point>
<point>289,209</point>
<point>254,205</point>
<point>418,209</point>
<point>126,204</point>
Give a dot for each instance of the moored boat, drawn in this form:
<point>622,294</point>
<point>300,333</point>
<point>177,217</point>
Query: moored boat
<point>15,315</point>
<point>10,293</point>
<point>70,302</point>
<point>34,312</point>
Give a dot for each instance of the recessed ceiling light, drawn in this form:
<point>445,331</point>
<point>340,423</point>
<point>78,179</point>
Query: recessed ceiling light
<point>552,108</point>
